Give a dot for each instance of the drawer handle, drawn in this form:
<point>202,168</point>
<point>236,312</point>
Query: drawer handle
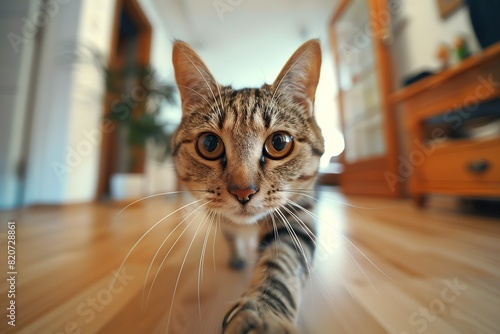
<point>479,166</point>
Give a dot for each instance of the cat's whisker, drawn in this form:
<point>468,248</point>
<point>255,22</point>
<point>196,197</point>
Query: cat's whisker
<point>205,242</point>
<point>313,238</point>
<point>147,232</point>
<point>293,212</point>
<point>368,259</point>
<point>151,196</point>
<point>173,245</point>
<point>161,246</point>
<point>303,225</point>
<point>310,234</point>
<point>217,226</point>
<point>314,272</point>
<point>165,257</point>
<point>346,204</point>
<point>318,277</point>
<point>275,229</point>
<point>202,257</point>
<point>303,191</point>
<point>181,268</point>
<point>314,216</point>
<point>295,238</point>
<point>152,261</point>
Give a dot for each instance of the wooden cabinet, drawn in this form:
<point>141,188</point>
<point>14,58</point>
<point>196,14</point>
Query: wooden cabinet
<point>464,167</point>
<point>362,59</point>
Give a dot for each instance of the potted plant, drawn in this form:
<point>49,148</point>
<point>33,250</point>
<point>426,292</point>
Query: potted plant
<point>135,96</point>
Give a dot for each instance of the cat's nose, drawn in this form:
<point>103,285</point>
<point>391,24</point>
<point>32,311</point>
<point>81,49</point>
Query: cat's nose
<point>243,195</point>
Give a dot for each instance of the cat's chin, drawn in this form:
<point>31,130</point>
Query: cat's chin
<point>243,218</point>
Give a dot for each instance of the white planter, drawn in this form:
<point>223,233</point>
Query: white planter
<point>127,186</point>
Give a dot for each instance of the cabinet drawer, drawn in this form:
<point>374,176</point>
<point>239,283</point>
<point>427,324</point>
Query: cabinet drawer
<point>464,162</point>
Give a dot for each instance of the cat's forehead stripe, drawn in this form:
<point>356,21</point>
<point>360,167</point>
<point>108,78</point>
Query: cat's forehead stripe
<point>243,108</point>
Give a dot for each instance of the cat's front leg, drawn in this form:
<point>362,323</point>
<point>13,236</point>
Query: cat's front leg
<point>240,239</point>
<point>253,316</point>
<point>270,305</point>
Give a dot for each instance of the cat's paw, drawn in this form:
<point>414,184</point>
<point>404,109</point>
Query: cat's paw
<point>250,317</point>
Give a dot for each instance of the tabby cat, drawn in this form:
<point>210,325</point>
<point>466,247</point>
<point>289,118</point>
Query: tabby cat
<point>254,154</point>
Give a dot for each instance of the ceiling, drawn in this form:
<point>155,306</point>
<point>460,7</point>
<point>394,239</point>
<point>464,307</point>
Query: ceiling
<point>212,23</point>
<point>245,42</point>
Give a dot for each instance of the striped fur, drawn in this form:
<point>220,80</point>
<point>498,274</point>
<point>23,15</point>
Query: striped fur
<point>243,120</point>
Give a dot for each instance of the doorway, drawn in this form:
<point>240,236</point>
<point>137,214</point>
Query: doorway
<point>131,46</point>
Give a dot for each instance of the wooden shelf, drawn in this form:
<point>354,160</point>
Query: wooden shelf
<point>449,168</point>
<point>489,55</point>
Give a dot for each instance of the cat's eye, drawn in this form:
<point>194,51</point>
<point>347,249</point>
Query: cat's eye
<point>278,145</point>
<point>209,146</point>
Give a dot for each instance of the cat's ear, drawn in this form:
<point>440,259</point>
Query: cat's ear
<point>196,83</point>
<point>299,78</point>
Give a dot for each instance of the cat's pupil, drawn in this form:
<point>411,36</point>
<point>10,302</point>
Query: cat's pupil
<point>211,142</point>
<point>279,142</point>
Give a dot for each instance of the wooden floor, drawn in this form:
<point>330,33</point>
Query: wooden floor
<point>382,267</point>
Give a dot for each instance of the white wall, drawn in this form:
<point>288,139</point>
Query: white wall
<point>16,48</point>
<point>63,161</point>
<point>417,40</point>
<point>160,177</point>
<point>87,101</point>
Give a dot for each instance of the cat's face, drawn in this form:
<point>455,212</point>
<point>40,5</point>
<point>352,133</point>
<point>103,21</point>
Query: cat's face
<point>242,150</point>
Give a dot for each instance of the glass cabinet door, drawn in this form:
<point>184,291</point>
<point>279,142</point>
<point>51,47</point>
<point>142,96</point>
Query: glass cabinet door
<point>358,40</point>
<point>358,76</point>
